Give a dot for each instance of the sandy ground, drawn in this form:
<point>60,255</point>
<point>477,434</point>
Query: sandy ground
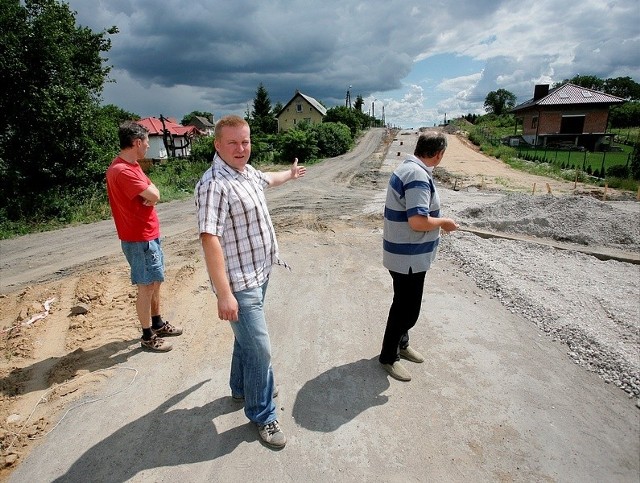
<point>532,352</point>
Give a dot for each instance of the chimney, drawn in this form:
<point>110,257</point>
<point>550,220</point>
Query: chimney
<point>540,91</point>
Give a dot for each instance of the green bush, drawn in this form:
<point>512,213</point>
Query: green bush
<point>298,143</point>
<point>500,151</point>
<point>202,149</point>
<point>59,207</point>
<point>263,147</point>
<point>176,178</point>
<point>619,171</point>
<point>622,183</point>
<point>334,138</point>
<point>502,120</point>
<point>625,115</point>
<point>475,137</point>
<point>635,162</point>
<point>354,119</point>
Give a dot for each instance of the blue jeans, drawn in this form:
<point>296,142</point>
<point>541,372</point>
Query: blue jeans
<point>251,371</point>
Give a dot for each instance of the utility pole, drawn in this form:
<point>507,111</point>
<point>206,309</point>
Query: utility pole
<point>347,101</point>
<point>373,111</point>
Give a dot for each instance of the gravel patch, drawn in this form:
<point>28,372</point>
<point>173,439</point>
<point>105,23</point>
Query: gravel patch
<point>590,305</point>
<point>583,220</point>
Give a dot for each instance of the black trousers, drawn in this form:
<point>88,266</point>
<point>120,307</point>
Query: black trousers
<point>403,314</point>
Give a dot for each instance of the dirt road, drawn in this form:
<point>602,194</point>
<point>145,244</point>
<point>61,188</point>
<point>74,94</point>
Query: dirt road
<point>497,400</point>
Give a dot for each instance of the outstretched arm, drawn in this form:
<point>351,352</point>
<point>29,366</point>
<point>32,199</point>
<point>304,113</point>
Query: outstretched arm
<point>428,223</point>
<point>280,177</point>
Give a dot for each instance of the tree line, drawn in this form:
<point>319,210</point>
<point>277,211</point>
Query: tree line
<point>57,139</point>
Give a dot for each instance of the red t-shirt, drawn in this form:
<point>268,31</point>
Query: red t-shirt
<point>134,220</point>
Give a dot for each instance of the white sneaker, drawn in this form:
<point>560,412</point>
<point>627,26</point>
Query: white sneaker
<point>272,435</point>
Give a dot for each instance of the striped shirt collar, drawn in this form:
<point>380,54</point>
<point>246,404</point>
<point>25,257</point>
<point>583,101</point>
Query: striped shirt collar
<point>419,162</point>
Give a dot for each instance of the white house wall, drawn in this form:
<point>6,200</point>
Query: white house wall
<point>158,151</point>
<point>156,148</point>
<point>180,149</point>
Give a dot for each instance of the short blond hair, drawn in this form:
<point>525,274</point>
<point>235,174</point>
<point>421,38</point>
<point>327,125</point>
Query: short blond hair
<point>229,121</point>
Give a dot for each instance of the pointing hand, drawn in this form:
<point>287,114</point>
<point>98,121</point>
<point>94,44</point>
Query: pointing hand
<point>297,171</point>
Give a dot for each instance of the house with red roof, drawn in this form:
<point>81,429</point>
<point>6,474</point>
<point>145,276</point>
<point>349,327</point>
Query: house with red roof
<point>167,138</point>
<point>566,116</point>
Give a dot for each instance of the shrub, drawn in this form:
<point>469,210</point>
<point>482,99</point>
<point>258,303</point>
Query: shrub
<point>476,137</point>
<point>635,162</point>
<point>300,144</point>
<point>619,171</point>
<point>622,184</point>
<point>177,177</point>
<point>263,148</point>
<point>202,148</point>
<point>334,138</point>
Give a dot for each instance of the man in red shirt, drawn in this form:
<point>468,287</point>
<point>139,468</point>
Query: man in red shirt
<point>132,197</point>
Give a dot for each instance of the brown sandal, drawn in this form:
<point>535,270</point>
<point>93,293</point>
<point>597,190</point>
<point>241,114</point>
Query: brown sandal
<point>168,330</point>
<point>156,344</point>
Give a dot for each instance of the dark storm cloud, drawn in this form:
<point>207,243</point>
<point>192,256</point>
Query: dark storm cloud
<point>234,46</point>
<point>175,57</point>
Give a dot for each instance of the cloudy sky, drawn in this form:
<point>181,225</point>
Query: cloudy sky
<point>417,60</point>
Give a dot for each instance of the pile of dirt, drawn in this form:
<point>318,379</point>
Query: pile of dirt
<point>574,219</point>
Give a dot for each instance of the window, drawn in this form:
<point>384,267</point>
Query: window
<point>572,124</point>
<point>534,122</point>
<point>299,107</point>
